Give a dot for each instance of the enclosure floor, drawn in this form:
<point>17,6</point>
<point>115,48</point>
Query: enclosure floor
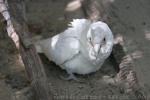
<point>5,91</point>
<point>131,20</point>
<point>12,73</point>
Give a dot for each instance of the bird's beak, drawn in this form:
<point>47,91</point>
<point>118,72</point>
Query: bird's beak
<point>96,48</point>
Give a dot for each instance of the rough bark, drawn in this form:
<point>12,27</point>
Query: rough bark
<point>18,32</point>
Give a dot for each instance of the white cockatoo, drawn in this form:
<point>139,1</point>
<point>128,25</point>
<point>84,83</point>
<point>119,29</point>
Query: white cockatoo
<point>81,49</point>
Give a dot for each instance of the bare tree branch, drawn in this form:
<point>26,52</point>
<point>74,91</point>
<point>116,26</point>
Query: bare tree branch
<point>18,32</point>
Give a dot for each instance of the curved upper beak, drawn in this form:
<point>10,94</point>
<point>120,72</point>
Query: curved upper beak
<point>96,48</point>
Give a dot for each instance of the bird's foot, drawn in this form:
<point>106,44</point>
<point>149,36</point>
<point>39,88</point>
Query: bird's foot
<point>70,77</point>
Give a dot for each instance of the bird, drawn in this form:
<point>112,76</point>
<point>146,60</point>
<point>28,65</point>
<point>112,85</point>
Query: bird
<point>81,49</point>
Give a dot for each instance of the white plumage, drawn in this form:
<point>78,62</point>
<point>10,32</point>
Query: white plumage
<point>81,49</point>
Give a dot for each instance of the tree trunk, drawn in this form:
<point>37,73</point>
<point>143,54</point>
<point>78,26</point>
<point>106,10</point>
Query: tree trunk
<point>18,32</point>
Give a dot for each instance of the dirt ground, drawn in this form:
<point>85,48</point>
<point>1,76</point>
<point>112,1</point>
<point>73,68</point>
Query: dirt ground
<point>127,18</point>
<point>130,20</point>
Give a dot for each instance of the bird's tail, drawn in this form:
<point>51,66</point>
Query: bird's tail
<point>37,43</point>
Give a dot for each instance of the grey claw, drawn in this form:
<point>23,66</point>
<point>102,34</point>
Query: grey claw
<point>70,77</point>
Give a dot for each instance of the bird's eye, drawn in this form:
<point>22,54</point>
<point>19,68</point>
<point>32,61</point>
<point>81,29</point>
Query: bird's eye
<point>104,41</point>
<point>90,38</point>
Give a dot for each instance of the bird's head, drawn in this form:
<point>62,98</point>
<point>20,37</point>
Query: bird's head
<point>96,37</point>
